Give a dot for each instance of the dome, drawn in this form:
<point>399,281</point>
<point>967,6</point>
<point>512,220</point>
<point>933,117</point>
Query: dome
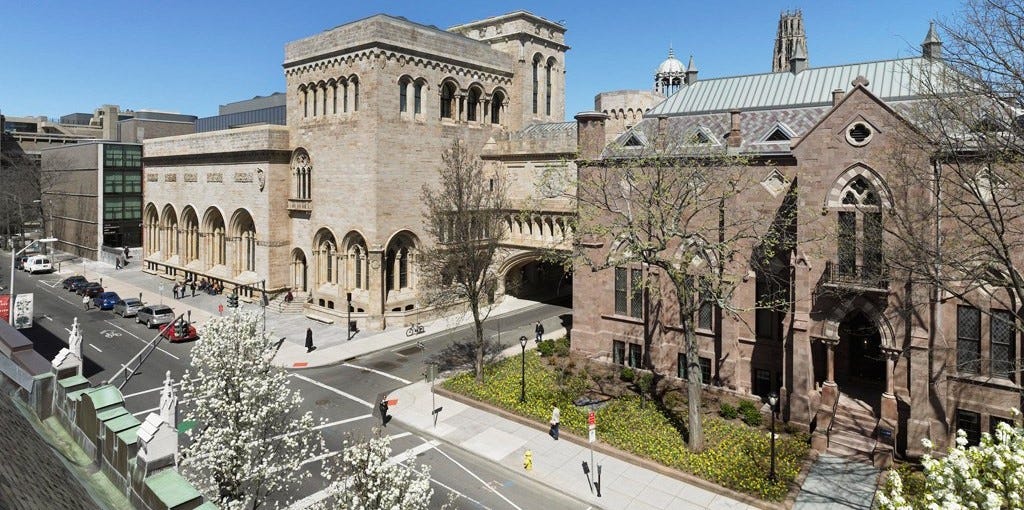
<point>671,65</point>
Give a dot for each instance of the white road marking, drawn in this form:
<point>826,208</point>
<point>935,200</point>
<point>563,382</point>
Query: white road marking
<point>151,390</point>
<point>94,347</point>
<point>378,372</point>
<point>335,390</point>
<point>413,452</point>
<point>500,495</point>
<point>133,335</point>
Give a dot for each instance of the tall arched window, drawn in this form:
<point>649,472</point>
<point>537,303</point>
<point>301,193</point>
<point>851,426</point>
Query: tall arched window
<point>355,94</point>
<point>344,97</point>
<point>334,97</point>
<point>314,100</point>
<point>330,262</point>
<point>418,98</point>
<point>302,169</point>
<point>359,267</point>
<point>447,100</point>
<point>323,92</point>
<point>305,101</point>
<point>403,92</point>
<point>859,248</point>
<point>547,87</point>
<point>536,81</point>
<point>471,104</point>
<point>496,101</point>
<point>403,268</point>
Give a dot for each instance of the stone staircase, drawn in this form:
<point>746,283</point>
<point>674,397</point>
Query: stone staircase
<point>853,433</point>
<point>293,308</point>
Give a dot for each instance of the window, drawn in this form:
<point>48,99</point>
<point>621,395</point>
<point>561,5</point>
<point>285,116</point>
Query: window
<point>621,286</point>
<point>968,339</point>
<point>113,182</point>
<point>772,300</point>
<point>314,101</point>
<point>847,243</point>
<point>618,352</point>
<point>344,97</point>
<point>418,99</point>
<point>133,182</point>
<point>762,382</point>
<point>636,300</point>
<point>705,370</point>
<point>334,98</point>
<point>113,209</point>
<point>496,100</point>
<point>305,102</point>
<point>132,208</point>
<point>359,268</point>
<point>681,371</point>
<point>403,100</point>
<point>777,135</point>
<point>994,421</point>
<point>323,92</point>
<point>122,156</point>
<point>970,423</point>
<point>860,234</point>
<point>471,104</point>
<point>403,268</point>
<point>536,82</point>
<point>859,134</point>
<point>706,311</point>
<point>1003,352</point>
<point>547,89</point>
<point>447,100</point>
<point>636,356</point>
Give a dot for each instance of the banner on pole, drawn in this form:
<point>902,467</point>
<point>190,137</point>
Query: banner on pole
<point>23,308</point>
<point>5,308</point>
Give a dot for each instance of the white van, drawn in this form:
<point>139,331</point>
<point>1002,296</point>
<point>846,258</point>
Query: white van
<point>38,264</point>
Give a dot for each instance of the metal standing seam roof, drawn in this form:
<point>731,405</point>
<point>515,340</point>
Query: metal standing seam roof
<point>888,79</point>
<point>110,414</point>
<point>171,488</point>
<point>105,396</point>
<point>122,423</point>
<point>74,380</point>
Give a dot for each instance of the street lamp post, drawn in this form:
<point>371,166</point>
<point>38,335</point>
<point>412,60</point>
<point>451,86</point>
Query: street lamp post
<point>14,255</point>
<point>522,393</point>
<point>773,399</point>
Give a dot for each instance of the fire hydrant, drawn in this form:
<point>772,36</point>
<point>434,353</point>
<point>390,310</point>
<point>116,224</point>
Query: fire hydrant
<point>528,460</point>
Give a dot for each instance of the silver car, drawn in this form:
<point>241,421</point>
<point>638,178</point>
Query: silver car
<point>154,315</point>
<point>127,307</point>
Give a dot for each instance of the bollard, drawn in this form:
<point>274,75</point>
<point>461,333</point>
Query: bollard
<point>528,460</point>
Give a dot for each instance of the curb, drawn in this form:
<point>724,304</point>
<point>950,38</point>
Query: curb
<point>620,454</point>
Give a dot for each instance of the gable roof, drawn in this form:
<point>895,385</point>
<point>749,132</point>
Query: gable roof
<point>890,80</point>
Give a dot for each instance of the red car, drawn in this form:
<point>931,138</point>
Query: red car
<point>169,332</point>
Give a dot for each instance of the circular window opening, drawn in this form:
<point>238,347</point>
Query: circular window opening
<point>859,134</point>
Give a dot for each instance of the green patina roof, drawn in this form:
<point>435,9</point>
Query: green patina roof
<point>122,422</point>
<point>105,396</point>
<point>207,506</point>
<point>68,382</point>
<point>111,413</point>
<point>171,488</point>
<point>130,436</point>
<point>77,395</point>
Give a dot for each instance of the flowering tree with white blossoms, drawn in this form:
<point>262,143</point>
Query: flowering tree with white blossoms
<point>368,479</point>
<point>250,438</point>
<point>989,476</point>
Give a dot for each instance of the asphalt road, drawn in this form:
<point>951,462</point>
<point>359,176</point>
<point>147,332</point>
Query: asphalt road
<point>339,396</point>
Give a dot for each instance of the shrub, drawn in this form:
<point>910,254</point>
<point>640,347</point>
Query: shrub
<point>750,413</point>
<point>546,347</point>
<point>727,411</point>
<point>627,374</point>
<point>556,347</point>
<point>673,400</point>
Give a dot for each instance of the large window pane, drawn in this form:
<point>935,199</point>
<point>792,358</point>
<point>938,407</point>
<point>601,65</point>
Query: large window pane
<point>113,182</point>
<point>1003,349</point>
<point>621,283</point>
<point>132,182</point>
<point>635,355</point>
<point>618,352</point>
<point>968,339</point>
<point>847,249</point>
<point>636,300</point>
<point>113,209</point>
<point>969,422</point>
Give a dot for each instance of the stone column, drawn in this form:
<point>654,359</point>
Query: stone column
<point>829,390</point>
<point>375,279</point>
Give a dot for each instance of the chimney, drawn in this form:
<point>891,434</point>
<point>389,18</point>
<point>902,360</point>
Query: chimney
<point>662,142</point>
<point>837,96</point>
<point>691,72</point>
<point>798,62</point>
<point>735,136</point>
<point>590,140</point>
<point>931,47</point>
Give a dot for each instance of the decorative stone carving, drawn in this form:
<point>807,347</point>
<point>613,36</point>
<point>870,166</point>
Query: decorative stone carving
<point>214,177</point>
<point>243,177</point>
<point>774,182</point>
<point>191,177</point>
<point>170,177</point>
<point>152,177</point>
<point>261,178</point>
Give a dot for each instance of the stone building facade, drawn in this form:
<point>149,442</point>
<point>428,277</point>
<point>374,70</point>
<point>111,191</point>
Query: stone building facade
<point>371,106</point>
<point>856,352</point>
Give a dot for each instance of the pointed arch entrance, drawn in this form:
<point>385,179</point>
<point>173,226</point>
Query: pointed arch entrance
<point>300,271</point>
<point>860,361</point>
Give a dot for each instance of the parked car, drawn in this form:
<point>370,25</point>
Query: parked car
<point>154,315</point>
<point>105,300</point>
<point>127,307</point>
<point>20,262</point>
<point>38,264</point>
<point>91,289</point>
<point>169,332</point>
<point>69,282</point>
<point>76,286</point>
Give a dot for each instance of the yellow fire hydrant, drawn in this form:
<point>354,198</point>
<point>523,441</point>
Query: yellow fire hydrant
<point>528,460</point>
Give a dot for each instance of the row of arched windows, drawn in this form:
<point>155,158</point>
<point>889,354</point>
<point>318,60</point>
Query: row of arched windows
<point>471,104</point>
<point>541,65</point>
<point>336,95</point>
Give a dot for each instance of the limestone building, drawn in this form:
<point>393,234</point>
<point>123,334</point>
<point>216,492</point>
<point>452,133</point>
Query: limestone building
<point>329,204</point>
<point>859,354</point>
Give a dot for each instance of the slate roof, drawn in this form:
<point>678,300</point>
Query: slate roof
<point>890,80</point>
<point>31,474</point>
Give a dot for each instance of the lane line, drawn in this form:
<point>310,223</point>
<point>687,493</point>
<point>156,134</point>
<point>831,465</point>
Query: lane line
<point>378,372</point>
<point>94,347</point>
<point>158,388</point>
<point>335,390</point>
<point>323,426</point>
<point>482,482</point>
<point>333,453</point>
<point>413,452</point>
<point>161,349</point>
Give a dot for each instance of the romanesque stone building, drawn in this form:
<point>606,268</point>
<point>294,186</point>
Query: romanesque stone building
<point>857,353</point>
<point>329,205</point>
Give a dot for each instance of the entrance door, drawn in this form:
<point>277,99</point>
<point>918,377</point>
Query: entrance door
<point>865,362</point>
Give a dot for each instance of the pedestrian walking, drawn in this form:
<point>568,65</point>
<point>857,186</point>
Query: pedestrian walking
<point>86,301</point>
<point>193,286</point>
<point>556,415</point>
<point>126,254</point>
<point>117,262</point>
<point>309,340</point>
<point>539,330</point>
<point>174,291</point>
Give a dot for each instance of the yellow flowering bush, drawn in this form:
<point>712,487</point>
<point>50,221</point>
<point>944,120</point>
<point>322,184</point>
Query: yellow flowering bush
<point>735,456</point>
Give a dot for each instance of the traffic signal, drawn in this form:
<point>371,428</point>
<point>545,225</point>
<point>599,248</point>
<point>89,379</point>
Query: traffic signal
<point>233,300</point>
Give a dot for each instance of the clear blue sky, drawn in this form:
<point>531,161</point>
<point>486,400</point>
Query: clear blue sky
<point>188,56</point>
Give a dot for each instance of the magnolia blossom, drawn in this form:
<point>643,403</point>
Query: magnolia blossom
<point>367,479</point>
<point>250,438</point>
<point>989,476</point>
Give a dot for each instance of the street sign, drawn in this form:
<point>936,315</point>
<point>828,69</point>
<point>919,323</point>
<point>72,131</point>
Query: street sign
<point>185,426</point>
<point>591,419</point>
<point>593,434</point>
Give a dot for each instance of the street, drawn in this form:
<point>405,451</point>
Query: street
<point>339,396</point>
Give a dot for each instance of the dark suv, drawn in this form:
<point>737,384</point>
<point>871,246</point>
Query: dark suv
<point>69,282</point>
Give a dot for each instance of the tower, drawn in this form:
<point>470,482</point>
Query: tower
<point>789,37</point>
<point>670,75</point>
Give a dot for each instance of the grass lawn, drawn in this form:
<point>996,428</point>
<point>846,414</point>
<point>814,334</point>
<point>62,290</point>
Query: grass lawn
<point>735,455</point>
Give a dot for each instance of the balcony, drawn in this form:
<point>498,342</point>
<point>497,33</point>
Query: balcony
<point>300,204</point>
<point>866,278</point>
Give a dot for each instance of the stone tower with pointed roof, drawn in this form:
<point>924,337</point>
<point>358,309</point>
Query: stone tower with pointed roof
<point>788,40</point>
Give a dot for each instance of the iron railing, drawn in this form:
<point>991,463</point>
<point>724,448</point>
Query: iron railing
<point>848,275</point>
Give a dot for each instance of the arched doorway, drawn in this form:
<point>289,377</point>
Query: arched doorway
<point>243,236</point>
<point>213,249</point>
<point>538,280</point>
<point>861,371</point>
<point>300,271</point>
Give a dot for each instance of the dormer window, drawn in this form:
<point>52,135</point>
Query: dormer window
<point>778,133</point>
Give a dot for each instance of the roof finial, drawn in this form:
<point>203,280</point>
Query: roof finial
<point>931,47</point>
